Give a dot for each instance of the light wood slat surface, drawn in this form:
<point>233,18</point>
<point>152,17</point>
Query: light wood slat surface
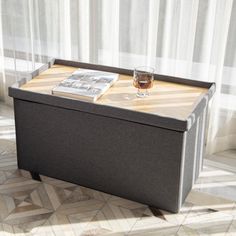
<point>166,99</point>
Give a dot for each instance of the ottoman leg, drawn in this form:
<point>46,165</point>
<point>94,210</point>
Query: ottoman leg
<point>35,176</point>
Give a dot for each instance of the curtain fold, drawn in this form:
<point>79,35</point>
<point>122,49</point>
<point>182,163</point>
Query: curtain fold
<point>2,74</point>
<point>194,39</point>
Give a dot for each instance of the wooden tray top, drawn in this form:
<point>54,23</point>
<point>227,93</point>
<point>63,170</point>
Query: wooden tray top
<point>166,98</point>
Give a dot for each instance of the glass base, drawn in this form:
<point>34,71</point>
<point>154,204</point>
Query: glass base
<point>142,93</point>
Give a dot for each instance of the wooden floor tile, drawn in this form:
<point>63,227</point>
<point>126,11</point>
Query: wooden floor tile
<point>19,187</point>
<point>48,196</point>
<point>26,216</point>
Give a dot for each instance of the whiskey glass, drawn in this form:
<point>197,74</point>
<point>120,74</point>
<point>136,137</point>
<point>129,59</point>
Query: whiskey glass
<point>143,80</point>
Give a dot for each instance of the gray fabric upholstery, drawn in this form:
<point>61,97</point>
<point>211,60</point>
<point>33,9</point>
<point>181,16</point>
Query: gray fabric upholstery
<point>124,158</point>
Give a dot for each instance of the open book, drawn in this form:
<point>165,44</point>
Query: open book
<point>85,84</point>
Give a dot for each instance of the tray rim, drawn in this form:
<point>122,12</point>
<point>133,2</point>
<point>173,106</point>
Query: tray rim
<point>115,112</point>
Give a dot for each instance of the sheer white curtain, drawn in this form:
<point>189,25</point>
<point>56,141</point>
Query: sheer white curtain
<point>189,38</point>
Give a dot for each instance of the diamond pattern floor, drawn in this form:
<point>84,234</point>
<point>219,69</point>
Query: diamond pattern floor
<point>57,208</point>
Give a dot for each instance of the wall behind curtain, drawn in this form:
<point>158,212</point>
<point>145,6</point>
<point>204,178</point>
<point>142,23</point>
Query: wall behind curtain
<point>190,38</point>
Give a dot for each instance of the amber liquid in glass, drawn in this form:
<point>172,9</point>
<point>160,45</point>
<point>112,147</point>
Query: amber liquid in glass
<point>143,81</point>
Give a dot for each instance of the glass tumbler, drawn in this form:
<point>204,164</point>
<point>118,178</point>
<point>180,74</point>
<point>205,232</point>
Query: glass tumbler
<point>143,80</point>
